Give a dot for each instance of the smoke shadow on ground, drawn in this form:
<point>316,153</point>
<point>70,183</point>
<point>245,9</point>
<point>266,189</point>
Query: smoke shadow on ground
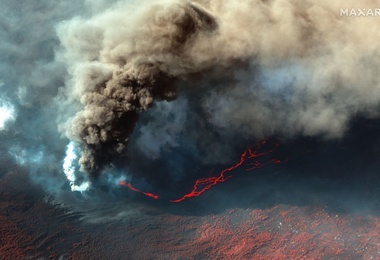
<point>339,175</point>
<point>333,175</point>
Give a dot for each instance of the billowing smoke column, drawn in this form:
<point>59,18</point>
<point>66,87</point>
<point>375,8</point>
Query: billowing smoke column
<point>259,68</point>
<point>155,89</point>
<point>115,82</point>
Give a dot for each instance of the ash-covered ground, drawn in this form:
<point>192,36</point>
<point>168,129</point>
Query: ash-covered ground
<point>323,203</point>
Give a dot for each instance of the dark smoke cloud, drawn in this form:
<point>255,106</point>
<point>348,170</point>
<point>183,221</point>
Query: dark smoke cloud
<point>263,68</point>
<point>140,84</point>
<point>119,76</point>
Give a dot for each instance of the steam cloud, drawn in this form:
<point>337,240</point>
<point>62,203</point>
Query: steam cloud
<point>133,79</point>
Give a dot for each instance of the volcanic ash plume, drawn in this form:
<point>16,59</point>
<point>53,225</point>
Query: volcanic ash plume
<point>121,66</point>
<point>292,68</point>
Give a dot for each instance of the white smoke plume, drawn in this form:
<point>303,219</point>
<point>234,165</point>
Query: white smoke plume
<point>69,169</point>
<point>7,115</point>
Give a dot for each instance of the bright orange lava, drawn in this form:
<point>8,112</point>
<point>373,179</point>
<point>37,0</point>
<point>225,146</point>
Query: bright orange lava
<point>201,185</point>
<point>123,183</point>
<point>249,158</point>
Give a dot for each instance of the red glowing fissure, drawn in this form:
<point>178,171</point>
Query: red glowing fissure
<point>248,158</point>
<point>201,185</point>
<point>128,185</point>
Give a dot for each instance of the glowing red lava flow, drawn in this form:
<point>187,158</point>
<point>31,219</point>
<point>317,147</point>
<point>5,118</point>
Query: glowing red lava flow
<point>249,158</point>
<point>201,185</point>
<point>128,185</point>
